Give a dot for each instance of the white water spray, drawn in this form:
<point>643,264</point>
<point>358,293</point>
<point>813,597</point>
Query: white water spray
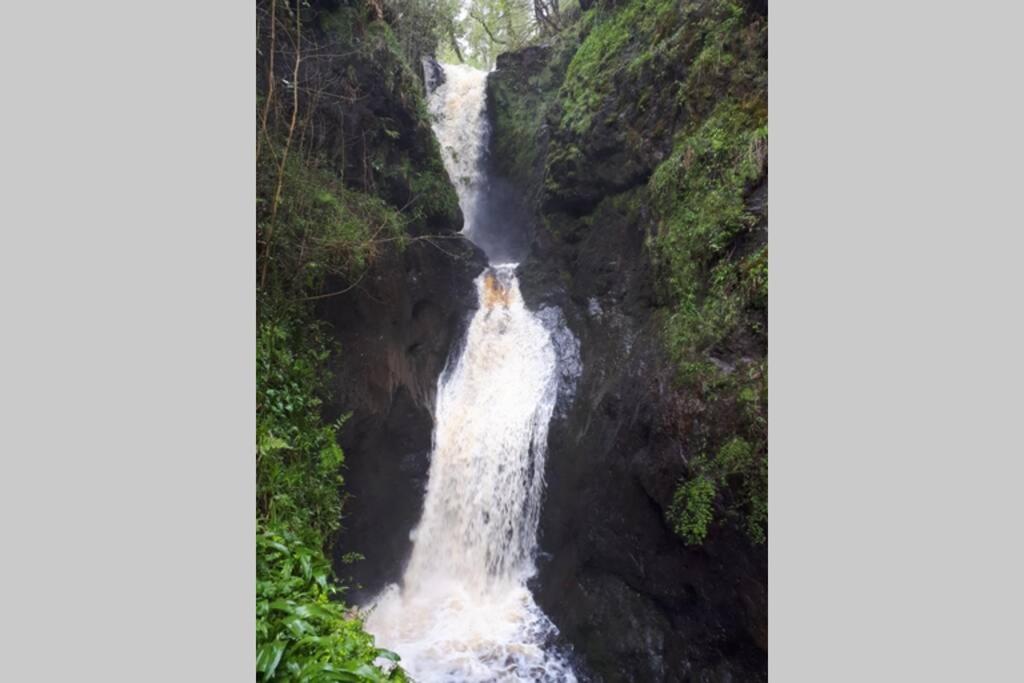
<point>464,611</point>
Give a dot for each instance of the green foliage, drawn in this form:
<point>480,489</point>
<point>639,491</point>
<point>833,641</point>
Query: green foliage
<point>301,634</point>
<point>699,192</point>
<point>698,195</point>
<point>320,226</point>
<point>298,460</point>
<point>433,197</point>
<point>712,274</point>
<point>691,511</point>
<point>420,26</point>
<point>490,27</point>
<point>732,55</point>
<point>330,204</point>
<point>588,79</point>
<point>738,468</point>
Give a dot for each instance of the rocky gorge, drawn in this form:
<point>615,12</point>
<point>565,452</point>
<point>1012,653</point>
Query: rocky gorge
<point>626,164</point>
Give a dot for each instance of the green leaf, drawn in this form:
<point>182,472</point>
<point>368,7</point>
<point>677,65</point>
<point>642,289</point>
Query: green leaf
<point>268,657</point>
<point>298,627</point>
<point>270,443</point>
<point>285,606</point>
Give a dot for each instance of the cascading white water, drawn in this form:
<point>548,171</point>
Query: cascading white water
<point>457,106</point>
<point>463,611</point>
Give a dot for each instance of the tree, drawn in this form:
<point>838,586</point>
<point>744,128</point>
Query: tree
<point>548,16</point>
<point>490,27</point>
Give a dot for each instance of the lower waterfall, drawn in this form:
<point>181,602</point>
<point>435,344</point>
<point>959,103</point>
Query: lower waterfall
<point>463,611</point>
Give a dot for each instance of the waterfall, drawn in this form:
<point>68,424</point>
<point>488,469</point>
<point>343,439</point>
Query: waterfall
<point>457,107</point>
<point>463,611</point>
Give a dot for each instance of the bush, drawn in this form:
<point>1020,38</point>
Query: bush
<point>740,470</point>
<point>301,635</point>
<point>298,460</point>
<point>691,512</point>
<point>318,227</point>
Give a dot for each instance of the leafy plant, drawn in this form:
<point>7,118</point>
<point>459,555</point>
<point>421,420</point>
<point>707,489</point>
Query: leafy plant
<point>320,226</point>
<point>691,512</point>
<point>301,634</point>
<point>738,470</point>
<point>298,460</point>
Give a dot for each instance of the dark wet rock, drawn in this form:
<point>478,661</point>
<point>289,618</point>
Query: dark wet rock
<point>433,74</point>
<point>397,330</point>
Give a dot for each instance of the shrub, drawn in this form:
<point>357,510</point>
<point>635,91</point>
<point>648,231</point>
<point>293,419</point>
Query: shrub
<point>738,469</point>
<point>691,511</point>
<point>318,227</point>
<point>298,460</point>
<point>301,635</point>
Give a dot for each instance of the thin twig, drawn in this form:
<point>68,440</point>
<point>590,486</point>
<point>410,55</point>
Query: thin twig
<point>340,291</point>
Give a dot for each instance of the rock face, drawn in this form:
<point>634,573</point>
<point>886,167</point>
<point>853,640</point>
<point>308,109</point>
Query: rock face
<point>396,331</point>
<point>635,601</point>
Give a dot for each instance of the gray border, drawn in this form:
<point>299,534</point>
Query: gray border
<point>895,341</point>
<point>127,371</point>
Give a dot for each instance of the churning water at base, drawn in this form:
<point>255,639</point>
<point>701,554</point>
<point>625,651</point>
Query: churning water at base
<point>463,611</point>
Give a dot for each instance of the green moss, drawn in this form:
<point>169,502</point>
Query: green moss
<point>620,44</point>
<point>699,200</point>
<point>564,165</point>
<point>732,56</point>
<point>590,76</point>
<point>520,103</point>
<point>434,198</point>
<point>708,59</point>
<point>518,113</point>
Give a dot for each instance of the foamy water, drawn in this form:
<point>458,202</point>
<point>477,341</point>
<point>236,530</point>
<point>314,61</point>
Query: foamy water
<point>460,124</point>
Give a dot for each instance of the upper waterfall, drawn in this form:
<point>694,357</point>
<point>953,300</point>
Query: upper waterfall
<point>458,107</point>
<point>494,212</point>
